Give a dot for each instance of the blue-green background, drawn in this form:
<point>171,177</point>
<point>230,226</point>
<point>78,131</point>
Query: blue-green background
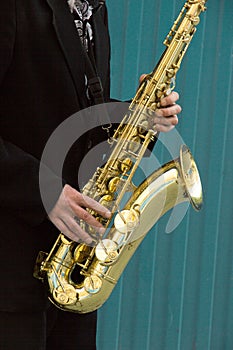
<point>177,291</point>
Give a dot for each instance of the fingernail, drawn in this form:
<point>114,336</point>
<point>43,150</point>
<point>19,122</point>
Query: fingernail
<point>108,214</point>
<point>89,240</point>
<point>101,230</point>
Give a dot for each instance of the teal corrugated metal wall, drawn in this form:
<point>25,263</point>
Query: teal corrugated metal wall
<point>177,291</point>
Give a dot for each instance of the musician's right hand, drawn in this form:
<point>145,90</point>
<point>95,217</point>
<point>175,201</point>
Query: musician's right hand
<point>69,209</point>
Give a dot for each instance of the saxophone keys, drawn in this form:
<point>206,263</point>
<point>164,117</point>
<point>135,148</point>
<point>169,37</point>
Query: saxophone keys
<point>81,253</point>
<point>202,6</point>
<point>171,86</point>
<point>106,199</point>
<point>170,72</point>
<point>160,90</point>
<point>92,284</point>
<point>195,20</point>
<point>106,251</point>
<point>65,294</point>
<point>126,220</point>
<point>125,165</point>
<point>133,146</point>
<point>185,36</point>
<point>144,125</point>
<point>112,185</point>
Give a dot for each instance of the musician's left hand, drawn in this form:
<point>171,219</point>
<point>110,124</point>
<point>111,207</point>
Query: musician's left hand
<point>165,118</point>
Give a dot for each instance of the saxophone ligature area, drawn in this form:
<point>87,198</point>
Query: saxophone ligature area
<point>80,278</point>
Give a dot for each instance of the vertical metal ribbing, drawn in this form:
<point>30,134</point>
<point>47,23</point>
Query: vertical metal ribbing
<point>177,292</point>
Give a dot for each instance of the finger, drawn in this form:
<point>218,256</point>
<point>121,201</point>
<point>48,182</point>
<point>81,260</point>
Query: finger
<point>142,77</point>
<point>82,214</point>
<point>164,128</point>
<point>64,228</point>
<point>168,111</point>
<point>74,232</point>
<point>166,121</point>
<point>90,203</point>
<point>170,99</point>
<point>75,199</point>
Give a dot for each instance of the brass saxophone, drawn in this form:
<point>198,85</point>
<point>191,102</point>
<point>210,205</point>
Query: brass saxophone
<point>100,266</point>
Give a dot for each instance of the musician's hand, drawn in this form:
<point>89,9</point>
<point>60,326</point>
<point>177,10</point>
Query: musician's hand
<point>69,209</point>
<point>166,116</point>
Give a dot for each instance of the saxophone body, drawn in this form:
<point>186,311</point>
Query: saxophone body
<point>79,277</point>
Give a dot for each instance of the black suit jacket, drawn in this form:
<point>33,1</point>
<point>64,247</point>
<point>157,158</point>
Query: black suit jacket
<point>41,84</point>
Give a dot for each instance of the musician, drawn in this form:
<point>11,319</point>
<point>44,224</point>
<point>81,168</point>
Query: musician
<point>43,82</point>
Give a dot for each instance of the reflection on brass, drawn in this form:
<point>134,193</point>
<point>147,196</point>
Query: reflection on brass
<point>112,186</point>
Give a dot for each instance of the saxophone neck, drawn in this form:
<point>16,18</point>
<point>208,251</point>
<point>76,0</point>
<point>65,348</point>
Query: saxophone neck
<point>161,81</point>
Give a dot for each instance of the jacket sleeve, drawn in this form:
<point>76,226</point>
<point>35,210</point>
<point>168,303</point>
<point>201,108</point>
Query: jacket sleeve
<point>19,171</point>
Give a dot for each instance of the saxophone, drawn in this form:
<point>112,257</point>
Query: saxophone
<point>79,277</point>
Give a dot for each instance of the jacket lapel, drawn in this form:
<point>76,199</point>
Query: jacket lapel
<point>70,43</point>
